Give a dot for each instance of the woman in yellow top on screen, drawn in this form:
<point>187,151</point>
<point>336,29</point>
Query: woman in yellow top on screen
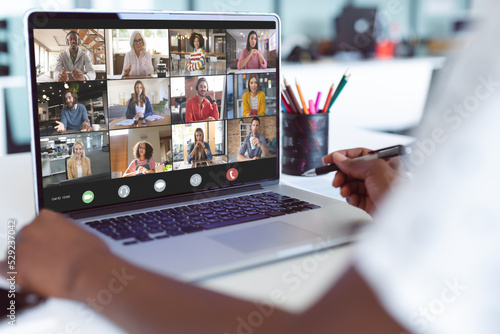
<point>254,101</point>
<point>251,58</point>
<point>196,63</point>
<point>78,165</point>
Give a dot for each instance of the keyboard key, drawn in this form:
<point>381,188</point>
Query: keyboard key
<point>234,221</point>
<point>276,213</point>
<point>143,238</point>
<point>191,229</point>
<point>175,233</point>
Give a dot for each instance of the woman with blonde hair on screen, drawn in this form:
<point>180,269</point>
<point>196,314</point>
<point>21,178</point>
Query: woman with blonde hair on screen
<point>200,149</point>
<point>78,165</point>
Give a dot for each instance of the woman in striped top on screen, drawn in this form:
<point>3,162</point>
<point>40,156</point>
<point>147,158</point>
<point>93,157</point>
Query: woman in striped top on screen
<point>254,101</point>
<point>196,64</point>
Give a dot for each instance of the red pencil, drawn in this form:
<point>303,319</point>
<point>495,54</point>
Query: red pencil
<point>287,106</point>
<point>328,98</point>
<point>293,100</point>
<point>290,104</point>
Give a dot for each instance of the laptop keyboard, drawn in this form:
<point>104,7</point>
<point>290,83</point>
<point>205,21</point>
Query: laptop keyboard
<point>171,222</point>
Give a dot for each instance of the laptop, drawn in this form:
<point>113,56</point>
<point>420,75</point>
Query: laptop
<point>142,133</point>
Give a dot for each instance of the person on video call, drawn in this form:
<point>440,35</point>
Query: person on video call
<point>202,107</point>
<point>254,101</point>
<point>199,150</point>
<point>73,63</point>
<point>251,58</point>
<point>143,162</point>
<point>78,165</point>
<point>428,263</point>
<point>139,105</point>
<point>196,63</point>
<point>254,144</point>
<point>138,60</point>
<point>74,115</point>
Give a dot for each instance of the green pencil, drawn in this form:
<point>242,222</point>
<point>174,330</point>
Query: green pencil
<point>340,86</point>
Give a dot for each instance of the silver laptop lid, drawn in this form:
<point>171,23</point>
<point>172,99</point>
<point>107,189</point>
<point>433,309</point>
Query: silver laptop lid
<point>130,108</point>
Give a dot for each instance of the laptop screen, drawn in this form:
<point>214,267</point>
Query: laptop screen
<point>130,107</point>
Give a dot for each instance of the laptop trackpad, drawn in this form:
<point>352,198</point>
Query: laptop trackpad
<point>263,237</point>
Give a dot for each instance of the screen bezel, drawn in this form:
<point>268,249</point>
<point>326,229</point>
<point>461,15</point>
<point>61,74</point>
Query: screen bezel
<point>47,19</point>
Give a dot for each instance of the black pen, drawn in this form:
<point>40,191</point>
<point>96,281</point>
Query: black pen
<point>388,152</point>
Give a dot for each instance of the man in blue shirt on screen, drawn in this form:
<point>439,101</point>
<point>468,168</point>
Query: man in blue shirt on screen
<point>254,143</point>
<point>73,115</point>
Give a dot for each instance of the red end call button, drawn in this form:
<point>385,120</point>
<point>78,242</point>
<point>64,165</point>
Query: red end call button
<point>232,174</point>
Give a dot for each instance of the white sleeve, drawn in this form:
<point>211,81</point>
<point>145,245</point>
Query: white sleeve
<point>89,68</point>
<point>432,256</point>
<point>147,63</point>
<point>59,65</point>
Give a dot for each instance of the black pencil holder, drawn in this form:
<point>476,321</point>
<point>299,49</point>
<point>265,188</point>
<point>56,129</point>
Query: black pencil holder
<point>304,142</point>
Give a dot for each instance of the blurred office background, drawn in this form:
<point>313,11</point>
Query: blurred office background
<point>400,41</point>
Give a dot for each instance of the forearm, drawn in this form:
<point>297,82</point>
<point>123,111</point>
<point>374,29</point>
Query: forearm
<point>130,113</point>
<point>262,61</point>
<point>350,306</point>
<point>191,154</point>
<point>90,75</point>
<point>265,150</point>
<point>147,65</point>
<point>241,157</point>
<point>243,61</point>
<point>214,111</point>
<point>146,302</point>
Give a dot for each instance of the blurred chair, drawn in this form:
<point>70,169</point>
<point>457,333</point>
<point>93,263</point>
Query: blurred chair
<point>183,111</point>
<point>176,59</point>
<point>186,61</point>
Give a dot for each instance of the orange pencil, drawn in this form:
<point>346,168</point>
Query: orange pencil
<point>293,100</point>
<point>306,111</point>
<point>328,98</point>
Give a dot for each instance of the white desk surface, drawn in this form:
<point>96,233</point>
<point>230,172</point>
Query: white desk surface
<point>257,284</point>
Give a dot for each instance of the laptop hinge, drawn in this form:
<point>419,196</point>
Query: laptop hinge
<point>196,196</point>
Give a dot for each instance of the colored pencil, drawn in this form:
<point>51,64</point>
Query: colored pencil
<point>290,104</point>
<point>328,98</point>
<point>304,105</point>
<point>283,108</point>
<point>316,105</point>
<point>292,98</point>
<point>340,86</point>
<point>286,106</point>
<point>312,110</point>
